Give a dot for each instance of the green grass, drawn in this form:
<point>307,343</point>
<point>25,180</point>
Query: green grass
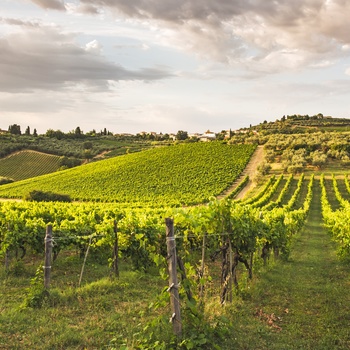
<point>86,317</point>
<point>28,164</point>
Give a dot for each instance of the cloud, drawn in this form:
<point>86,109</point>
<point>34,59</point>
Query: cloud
<point>50,4</point>
<point>41,57</point>
<point>233,32</point>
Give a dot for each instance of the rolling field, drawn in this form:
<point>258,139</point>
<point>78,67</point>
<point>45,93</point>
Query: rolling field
<point>28,164</point>
<point>174,175</point>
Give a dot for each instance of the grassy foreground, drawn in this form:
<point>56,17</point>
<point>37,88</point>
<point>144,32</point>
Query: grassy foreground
<point>302,303</point>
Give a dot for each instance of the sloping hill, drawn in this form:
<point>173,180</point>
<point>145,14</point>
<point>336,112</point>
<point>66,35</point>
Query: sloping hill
<point>183,174</point>
<point>27,164</point>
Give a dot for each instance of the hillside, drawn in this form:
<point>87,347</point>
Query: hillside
<point>304,124</point>
<point>180,174</point>
<point>285,292</point>
<point>27,164</point>
<point>68,145</point>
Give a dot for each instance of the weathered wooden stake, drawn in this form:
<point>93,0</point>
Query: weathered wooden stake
<point>83,267</point>
<point>7,253</point>
<point>173,283</point>
<point>201,290</point>
<point>229,298</point>
<point>115,251</point>
<point>7,259</point>
<point>48,253</point>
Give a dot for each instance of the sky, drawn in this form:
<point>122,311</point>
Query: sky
<point>169,65</point>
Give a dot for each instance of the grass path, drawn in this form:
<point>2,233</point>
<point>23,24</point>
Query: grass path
<point>303,303</point>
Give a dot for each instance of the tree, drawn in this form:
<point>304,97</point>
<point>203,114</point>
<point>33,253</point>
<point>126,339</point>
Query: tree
<point>264,168</point>
<point>58,134</point>
<point>318,158</point>
<point>87,154</point>
<point>77,131</point>
<point>87,145</point>
<point>182,135</point>
<point>15,129</point>
<point>27,132</point>
<point>35,134</point>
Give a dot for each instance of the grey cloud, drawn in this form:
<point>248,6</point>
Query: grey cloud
<point>177,11</point>
<point>46,59</point>
<point>183,10</point>
<point>18,22</point>
<point>233,31</point>
<point>50,4</point>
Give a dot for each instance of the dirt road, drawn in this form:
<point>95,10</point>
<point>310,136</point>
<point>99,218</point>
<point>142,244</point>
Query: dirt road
<point>250,170</point>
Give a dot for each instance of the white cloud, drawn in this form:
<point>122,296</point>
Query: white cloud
<point>93,47</point>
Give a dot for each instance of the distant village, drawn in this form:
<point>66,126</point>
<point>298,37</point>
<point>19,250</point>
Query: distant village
<point>183,135</point>
<point>15,129</point>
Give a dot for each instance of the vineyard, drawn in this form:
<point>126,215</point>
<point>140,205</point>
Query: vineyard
<point>221,246</point>
<point>257,229</point>
<point>28,164</point>
<point>182,174</point>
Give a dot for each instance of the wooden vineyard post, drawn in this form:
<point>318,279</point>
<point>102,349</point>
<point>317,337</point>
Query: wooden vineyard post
<point>115,251</point>
<point>227,272</point>
<point>48,253</point>
<point>201,290</point>
<point>173,283</point>
<point>230,271</point>
<point>7,254</point>
<point>83,267</point>
<point>7,260</point>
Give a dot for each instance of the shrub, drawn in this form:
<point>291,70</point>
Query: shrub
<point>40,196</point>
<point>5,180</point>
<point>264,168</point>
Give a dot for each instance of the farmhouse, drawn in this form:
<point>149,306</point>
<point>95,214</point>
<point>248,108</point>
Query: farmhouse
<point>207,136</point>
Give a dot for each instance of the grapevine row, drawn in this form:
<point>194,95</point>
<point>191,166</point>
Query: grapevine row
<point>337,222</point>
<point>261,193</point>
<point>141,232</point>
<point>267,196</point>
<point>338,195</point>
<point>278,201</point>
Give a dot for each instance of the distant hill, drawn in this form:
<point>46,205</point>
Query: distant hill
<point>27,164</point>
<point>303,123</point>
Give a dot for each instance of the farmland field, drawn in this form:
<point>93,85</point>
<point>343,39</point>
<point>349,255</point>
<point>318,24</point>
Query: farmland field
<point>118,307</point>
<point>284,268</point>
<point>28,164</point>
<point>174,175</point>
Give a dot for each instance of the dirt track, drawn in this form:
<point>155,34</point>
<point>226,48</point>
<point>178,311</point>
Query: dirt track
<point>250,170</point>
